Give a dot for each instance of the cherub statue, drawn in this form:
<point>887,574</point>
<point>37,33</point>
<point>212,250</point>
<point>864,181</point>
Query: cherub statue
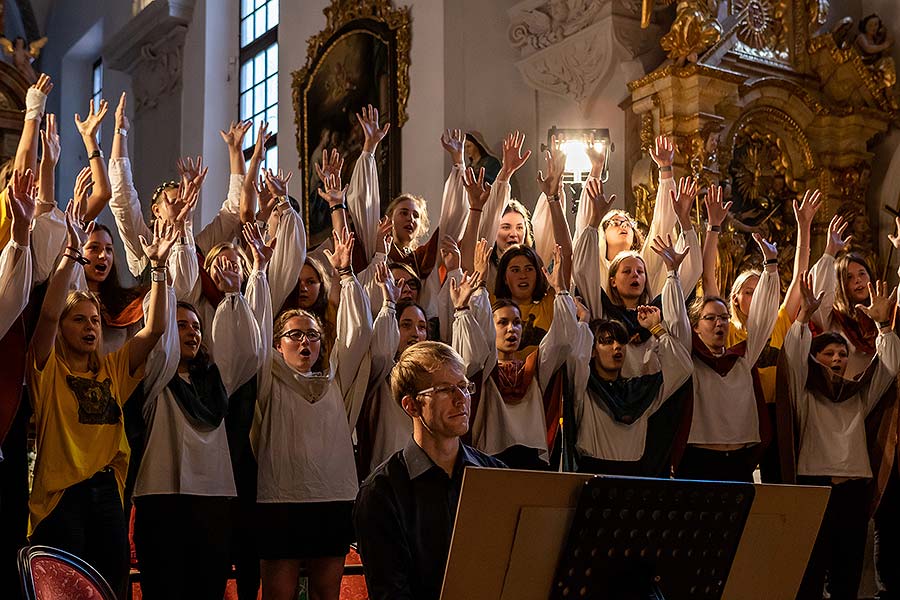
<point>873,43</point>
<point>23,54</point>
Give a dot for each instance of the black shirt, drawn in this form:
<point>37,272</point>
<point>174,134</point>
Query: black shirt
<point>404,517</point>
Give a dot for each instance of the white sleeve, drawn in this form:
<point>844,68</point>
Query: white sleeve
<point>367,279</point>
<point>226,225</point>
<point>480,305</point>
<point>354,332</point>
<point>445,306</point>
<point>579,362</point>
<point>162,362</point>
<point>364,201</point>
<point>385,339</point>
<point>15,285</point>
<point>674,313</point>
<point>477,350</point>
<point>796,350</point>
<point>824,279</point>
<point>663,223</point>
<point>126,209</point>
<point>763,314</point>
<point>691,268</point>
<point>492,212</point>
<point>677,367</point>
<point>555,347</point>
<point>184,269</point>
<point>542,225</point>
<point>887,349</point>
<point>288,256</point>
<point>234,327</point>
<point>48,237</point>
<point>454,206</point>
<point>584,207</point>
<point>259,300</point>
<point>584,269</point>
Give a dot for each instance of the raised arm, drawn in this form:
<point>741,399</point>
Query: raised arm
<point>587,249</point>
<point>764,306</point>
<point>15,261</point>
<point>477,193</point>
<point>35,101</point>
<point>364,194</point>
<point>470,337</point>
<point>673,313</point>
<point>597,156</point>
<point>290,251</point>
<point>248,188</point>
<point>234,327</point>
<point>89,129</point>
<point>454,208</point>
<point>46,198</point>
<point>804,213</point>
<point>887,347</point>
<point>674,356</point>
<point>824,276</point>
<point>716,213</point>
<point>513,160</point>
<point>551,186</point>
<point>797,343</point>
<point>664,218</point>
<point>556,347</point>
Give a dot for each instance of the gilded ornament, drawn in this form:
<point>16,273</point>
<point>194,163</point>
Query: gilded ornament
<point>694,30</point>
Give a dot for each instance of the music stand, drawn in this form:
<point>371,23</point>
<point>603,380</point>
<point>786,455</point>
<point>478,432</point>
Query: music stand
<point>637,538</point>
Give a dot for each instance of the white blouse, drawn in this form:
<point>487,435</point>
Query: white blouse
<point>15,284</point>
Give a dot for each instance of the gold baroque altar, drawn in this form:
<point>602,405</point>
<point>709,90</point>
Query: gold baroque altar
<point>767,98</point>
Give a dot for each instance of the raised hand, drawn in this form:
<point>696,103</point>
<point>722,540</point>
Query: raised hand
<point>881,303</point>
<point>164,237</point>
<point>597,157</point>
<point>768,249</point>
<point>477,190</point>
<point>44,84</point>
<point>461,293</point>
<point>191,171</point>
<point>265,199</point>
<point>648,316</point>
<point>88,128</point>
<point>385,233</point>
<point>482,258</point>
<point>556,166</point>
<point>663,152</point>
<point>809,301</point>
<point>20,204</point>
<point>83,185</point>
<point>278,183</point>
<point>683,201</point>
<point>806,210</point>
<point>450,254</point>
<point>667,252</point>
<point>262,252</point>
<point>895,239</point>
<point>234,135</point>
<point>556,278</point>
<point>50,142</point>
<point>343,250</point>
<point>582,312</point>
<point>330,165</point>
<point>76,233</point>
<point>385,279</point>
<point>716,210</point>
<point>333,193</point>
<point>513,157</point>
<point>121,118</point>
<point>368,120</point>
<point>835,241</point>
<point>188,196</point>
<point>599,204</point>
<point>229,272</point>
<point>453,141</point>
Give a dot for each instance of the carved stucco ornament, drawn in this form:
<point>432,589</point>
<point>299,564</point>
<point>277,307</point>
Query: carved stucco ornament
<point>694,30</point>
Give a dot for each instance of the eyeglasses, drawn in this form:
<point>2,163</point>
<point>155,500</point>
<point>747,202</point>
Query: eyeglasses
<point>298,335</point>
<point>413,284</point>
<point>619,222</point>
<point>716,318</point>
<point>466,389</point>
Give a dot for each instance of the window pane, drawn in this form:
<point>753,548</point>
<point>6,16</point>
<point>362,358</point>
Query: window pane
<point>250,138</point>
<point>259,99</point>
<point>272,158</point>
<point>247,31</point>
<point>271,91</point>
<point>273,13</point>
<point>246,106</point>
<point>246,7</point>
<point>272,118</point>
<point>261,26</point>
<point>272,59</point>
<point>246,75</point>
<point>259,67</point>
<point>261,3</point>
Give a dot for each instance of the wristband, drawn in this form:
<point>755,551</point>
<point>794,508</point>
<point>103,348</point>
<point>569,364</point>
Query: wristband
<point>883,324</point>
<point>345,271</point>
<point>666,169</point>
<point>158,276</point>
<point>657,330</point>
<point>122,131</point>
<point>771,261</point>
<point>714,228</point>
<point>473,209</point>
<point>460,308</point>
<point>338,207</point>
<point>390,304</point>
<point>159,268</point>
<point>45,202</point>
<point>553,198</point>
<point>77,258</point>
<point>35,100</point>
<point>563,293</point>
<point>96,154</point>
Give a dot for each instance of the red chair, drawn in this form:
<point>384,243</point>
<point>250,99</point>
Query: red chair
<point>51,574</point>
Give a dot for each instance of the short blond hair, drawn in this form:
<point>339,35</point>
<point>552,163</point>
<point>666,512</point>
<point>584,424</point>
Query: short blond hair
<point>411,373</point>
<point>424,223</point>
<point>74,298</point>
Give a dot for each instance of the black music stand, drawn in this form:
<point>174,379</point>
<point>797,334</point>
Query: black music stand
<point>652,539</point>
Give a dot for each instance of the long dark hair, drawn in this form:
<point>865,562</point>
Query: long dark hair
<point>202,359</point>
<point>501,289</point>
<point>113,296</point>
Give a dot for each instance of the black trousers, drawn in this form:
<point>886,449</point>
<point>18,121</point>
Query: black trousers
<point>183,545</point>
<point>89,522</point>
<point>522,457</point>
<point>715,465</point>
<point>841,543</point>
<point>887,540</point>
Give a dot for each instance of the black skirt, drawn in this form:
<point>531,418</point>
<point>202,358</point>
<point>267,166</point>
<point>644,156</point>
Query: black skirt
<point>304,529</point>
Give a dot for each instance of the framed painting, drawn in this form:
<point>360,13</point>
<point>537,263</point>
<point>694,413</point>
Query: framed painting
<point>360,58</point>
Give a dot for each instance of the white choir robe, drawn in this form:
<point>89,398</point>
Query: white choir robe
<point>300,433</point>
<point>725,409</point>
<point>15,284</point>
<point>182,456</point>
<point>833,434</point>
<point>599,435</point>
<point>497,424</point>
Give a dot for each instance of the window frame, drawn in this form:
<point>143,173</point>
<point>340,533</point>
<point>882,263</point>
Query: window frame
<point>246,54</point>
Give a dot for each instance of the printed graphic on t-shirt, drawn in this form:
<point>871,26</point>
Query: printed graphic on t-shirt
<point>96,404</point>
<point>531,333</point>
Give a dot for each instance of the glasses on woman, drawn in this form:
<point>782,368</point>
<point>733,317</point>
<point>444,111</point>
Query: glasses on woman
<point>298,335</point>
<point>466,389</point>
<point>619,222</point>
<point>716,318</point>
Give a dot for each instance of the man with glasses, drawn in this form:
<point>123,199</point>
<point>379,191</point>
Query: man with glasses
<point>405,509</point>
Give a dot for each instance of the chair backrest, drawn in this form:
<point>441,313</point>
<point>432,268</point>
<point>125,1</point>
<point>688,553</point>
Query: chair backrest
<point>52,574</point>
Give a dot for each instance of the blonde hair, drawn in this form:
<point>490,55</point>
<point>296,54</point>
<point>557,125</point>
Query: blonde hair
<point>281,323</point>
<point>735,304</point>
<point>424,223</point>
<point>614,295</point>
<point>218,249</point>
<point>637,240</point>
<point>74,298</point>
<point>842,302</point>
<point>410,375</point>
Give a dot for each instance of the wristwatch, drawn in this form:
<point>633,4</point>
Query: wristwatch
<point>122,131</point>
<point>96,154</point>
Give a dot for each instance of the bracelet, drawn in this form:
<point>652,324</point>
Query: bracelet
<point>159,268</point>
<point>77,258</point>
<point>345,271</point>
<point>714,228</point>
<point>473,209</point>
<point>45,202</point>
<point>460,308</point>
<point>771,261</point>
<point>666,169</point>
<point>122,131</point>
<point>338,207</point>
<point>657,330</point>
<point>553,198</point>
<point>389,304</point>
<point>883,324</point>
<point>158,276</point>
<point>96,154</point>
<point>563,293</point>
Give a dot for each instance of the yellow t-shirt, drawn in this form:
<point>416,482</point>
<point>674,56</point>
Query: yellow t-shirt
<point>79,426</point>
<point>536,320</point>
<point>5,220</point>
<point>767,360</point>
